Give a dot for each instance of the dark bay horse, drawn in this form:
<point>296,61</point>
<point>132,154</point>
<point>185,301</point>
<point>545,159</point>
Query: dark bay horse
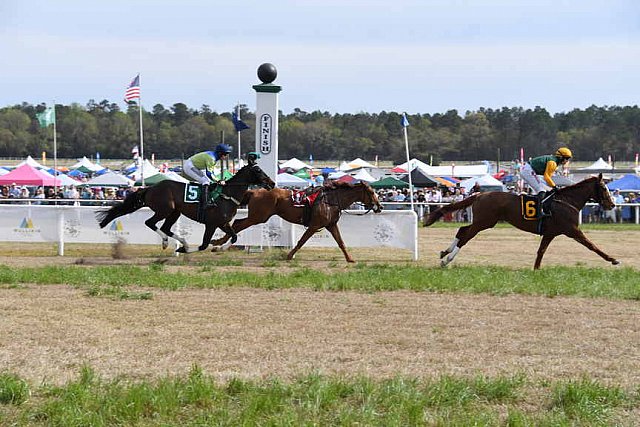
<point>166,200</point>
<point>334,197</point>
<point>489,208</point>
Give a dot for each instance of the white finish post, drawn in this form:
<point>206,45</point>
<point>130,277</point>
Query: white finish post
<point>267,120</point>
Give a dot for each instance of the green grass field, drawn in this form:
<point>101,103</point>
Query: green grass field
<point>196,400</point>
<point>620,283</point>
<point>315,399</point>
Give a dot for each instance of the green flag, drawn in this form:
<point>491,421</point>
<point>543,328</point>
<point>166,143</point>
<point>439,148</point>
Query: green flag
<point>47,117</point>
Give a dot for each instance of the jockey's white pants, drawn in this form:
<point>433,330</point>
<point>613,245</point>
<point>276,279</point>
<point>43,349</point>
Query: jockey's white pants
<point>530,177</point>
<point>194,173</point>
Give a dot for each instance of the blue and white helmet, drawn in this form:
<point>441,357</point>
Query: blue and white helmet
<point>223,149</point>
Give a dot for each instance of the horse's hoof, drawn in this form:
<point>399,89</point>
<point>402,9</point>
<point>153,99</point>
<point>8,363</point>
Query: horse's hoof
<point>216,249</point>
<point>443,254</point>
<point>181,250</point>
<point>615,262</point>
<point>165,244</point>
<point>234,239</point>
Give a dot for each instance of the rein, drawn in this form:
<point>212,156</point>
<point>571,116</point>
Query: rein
<point>567,204</point>
<point>344,209</point>
<point>358,214</point>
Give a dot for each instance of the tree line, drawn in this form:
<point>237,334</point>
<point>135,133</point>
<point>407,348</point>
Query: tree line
<point>180,131</point>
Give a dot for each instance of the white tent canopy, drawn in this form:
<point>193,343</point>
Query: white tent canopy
<point>414,164</point>
<point>149,170</point>
<point>175,177</point>
<point>63,179</point>
<point>294,164</point>
<point>359,163</point>
<point>336,175</point>
<point>288,180</point>
<point>29,160</point>
<point>363,175</point>
<point>451,170</point>
<point>87,164</point>
<point>599,164</point>
<point>483,181</point>
<point>110,179</point>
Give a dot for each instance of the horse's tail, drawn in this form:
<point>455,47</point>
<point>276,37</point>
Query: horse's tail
<point>131,203</point>
<point>452,207</point>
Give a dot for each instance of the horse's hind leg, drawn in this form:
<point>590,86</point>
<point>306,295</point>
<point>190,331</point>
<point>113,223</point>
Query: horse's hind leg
<point>230,234</point>
<point>238,226</point>
<point>544,244</point>
<point>447,251</point>
<point>463,236</point>
<point>151,223</point>
<point>165,230</point>
<point>335,232</point>
<point>579,237</point>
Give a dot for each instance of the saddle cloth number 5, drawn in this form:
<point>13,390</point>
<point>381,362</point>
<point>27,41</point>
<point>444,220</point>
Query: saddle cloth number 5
<point>192,193</point>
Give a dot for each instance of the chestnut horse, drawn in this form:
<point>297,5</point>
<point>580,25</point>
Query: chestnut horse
<point>166,200</point>
<point>334,197</point>
<point>489,208</point>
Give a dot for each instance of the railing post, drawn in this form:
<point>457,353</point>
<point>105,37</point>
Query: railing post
<point>60,230</point>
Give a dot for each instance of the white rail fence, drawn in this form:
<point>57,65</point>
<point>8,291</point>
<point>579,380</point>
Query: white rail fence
<point>77,224</point>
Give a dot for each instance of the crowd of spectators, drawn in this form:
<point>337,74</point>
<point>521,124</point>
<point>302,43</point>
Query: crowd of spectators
<point>395,198</point>
<point>70,194</point>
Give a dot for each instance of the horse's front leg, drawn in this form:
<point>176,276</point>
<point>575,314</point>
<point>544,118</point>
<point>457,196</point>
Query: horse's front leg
<point>544,244</point>
<point>306,236</point>
<point>208,234</point>
<point>579,237</point>
<point>335,232</point>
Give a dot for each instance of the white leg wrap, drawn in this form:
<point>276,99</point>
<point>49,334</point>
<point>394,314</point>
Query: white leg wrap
<point>446,260</point>
<point>165,238</point>
<point>454,245</point>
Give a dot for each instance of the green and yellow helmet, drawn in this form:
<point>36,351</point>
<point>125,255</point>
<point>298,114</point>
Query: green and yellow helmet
<point>564,152</point>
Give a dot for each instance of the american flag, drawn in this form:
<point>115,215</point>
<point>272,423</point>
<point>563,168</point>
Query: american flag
<point>133,90</point>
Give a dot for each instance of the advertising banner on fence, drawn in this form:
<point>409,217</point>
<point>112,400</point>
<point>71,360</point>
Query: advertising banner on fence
<point>77,224</point>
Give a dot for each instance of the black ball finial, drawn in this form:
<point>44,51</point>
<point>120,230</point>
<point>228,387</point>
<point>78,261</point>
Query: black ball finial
<point>267,73</point>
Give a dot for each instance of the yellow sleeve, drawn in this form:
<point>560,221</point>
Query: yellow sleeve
<point>551,168</point>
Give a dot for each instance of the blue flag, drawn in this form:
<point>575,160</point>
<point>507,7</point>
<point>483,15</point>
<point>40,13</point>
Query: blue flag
<point>238,123</point>
<point>405,121</point>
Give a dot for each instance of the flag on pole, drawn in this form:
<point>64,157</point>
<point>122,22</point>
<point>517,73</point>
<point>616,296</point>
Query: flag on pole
<point>238,123</point>
<point>133,90</point>
<point>405,121</point>
<point>134,152</point>
<point>47,117</point>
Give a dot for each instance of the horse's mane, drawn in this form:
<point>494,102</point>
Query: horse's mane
<point>335,185</point>
<point>579,184</point>
<point>238,172</point>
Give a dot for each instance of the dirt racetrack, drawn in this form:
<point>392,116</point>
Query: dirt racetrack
<point>48,332</point>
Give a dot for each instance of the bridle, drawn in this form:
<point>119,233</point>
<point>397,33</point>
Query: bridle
<point>263,183</point>
<point>367,192</point>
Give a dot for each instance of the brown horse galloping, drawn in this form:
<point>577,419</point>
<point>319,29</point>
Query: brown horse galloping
<point>166,200</point>
<point>489,208</point>
<point>325,212</point>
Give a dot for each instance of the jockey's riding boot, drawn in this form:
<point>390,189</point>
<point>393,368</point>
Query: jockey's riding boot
<point>545,203</point>
<point>202,208</point>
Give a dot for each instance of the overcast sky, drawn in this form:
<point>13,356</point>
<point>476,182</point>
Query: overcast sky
<point>419,56</point>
